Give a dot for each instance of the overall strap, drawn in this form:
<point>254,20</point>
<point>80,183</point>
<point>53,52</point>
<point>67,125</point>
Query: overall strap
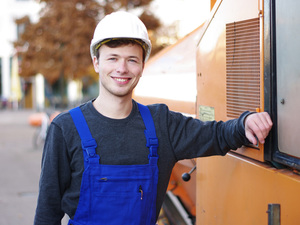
<point>88,143</point>
<point>152,141</point>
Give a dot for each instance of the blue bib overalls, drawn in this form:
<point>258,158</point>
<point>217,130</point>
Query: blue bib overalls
<point>116,194</point>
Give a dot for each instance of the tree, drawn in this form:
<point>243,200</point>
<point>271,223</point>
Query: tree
<point>57,46</point>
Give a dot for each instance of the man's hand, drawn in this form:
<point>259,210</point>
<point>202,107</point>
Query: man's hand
<point>258,125</point>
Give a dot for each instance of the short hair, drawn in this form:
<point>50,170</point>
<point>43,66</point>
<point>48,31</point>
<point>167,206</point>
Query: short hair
<point>114,43</point>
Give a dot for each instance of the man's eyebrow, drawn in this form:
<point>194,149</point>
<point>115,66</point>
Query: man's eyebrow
<point>116,54</point>
<point>112,54</point>
<point>133,56</point>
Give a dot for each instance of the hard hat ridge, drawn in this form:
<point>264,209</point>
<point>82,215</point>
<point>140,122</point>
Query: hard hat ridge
<point>120,25</point>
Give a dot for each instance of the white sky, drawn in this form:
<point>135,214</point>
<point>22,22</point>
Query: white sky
<point>189,13</point>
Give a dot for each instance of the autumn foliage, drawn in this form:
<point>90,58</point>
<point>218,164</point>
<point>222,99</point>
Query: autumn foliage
<point>57,46</point>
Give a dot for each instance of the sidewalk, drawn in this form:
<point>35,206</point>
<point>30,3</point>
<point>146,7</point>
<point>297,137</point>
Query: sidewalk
<point>19,169</point>
<point>20,166</point>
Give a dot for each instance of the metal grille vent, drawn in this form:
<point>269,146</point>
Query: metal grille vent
<point>242,66</point>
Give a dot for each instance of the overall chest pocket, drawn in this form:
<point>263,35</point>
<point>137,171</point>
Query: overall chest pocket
<point>120,186</point>
<point>129,198</point>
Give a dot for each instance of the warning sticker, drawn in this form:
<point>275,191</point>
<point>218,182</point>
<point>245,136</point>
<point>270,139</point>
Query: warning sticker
<point>206,113</point>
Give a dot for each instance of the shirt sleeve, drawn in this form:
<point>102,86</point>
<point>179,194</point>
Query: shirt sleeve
<point>54,179</point>
<point>193,138</point>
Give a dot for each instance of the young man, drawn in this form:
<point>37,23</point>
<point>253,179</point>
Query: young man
<point>109,161</point>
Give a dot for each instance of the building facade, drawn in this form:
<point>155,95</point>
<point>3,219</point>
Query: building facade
<point>10,10</point>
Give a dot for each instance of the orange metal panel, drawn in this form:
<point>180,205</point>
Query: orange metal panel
<point>236,190</point>
<point>211,61</point>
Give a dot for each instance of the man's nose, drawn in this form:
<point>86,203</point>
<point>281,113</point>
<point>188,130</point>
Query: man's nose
<point>122,67</point>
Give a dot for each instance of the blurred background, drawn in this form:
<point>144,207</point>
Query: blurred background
<point>44,45</point>
<point>45,67</point>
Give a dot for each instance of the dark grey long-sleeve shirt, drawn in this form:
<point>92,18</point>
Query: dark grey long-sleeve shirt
<point>123,142</point>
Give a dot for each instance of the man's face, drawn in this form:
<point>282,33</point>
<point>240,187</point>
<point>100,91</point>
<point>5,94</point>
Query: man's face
<point>119,69</point>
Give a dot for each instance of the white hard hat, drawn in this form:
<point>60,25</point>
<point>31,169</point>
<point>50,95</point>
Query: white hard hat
<point>120,25</point>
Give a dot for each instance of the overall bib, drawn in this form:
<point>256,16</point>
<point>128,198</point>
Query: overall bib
<point>116,194</point>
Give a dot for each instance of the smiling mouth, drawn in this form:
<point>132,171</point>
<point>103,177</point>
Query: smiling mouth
<point>121,79</point>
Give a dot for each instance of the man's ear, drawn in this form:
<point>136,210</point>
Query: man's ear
<point>96,64</point>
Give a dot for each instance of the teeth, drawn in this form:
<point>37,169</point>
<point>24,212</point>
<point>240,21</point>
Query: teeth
<point>120,79</point>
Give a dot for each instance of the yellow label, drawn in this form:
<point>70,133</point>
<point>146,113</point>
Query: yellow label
<point>206,113</point>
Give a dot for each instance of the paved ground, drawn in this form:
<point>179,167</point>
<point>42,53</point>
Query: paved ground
<point>19,168</point>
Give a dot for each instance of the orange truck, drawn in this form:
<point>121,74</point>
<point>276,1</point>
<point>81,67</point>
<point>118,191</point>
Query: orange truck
<point>245,59</point>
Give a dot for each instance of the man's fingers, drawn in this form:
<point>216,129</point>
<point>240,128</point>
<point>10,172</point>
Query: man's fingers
<point>258,125</point>
<point>251,138</point>
<point>265,122</point>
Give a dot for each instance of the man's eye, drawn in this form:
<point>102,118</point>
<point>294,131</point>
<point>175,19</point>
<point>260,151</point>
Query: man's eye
<point>133,60</point>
